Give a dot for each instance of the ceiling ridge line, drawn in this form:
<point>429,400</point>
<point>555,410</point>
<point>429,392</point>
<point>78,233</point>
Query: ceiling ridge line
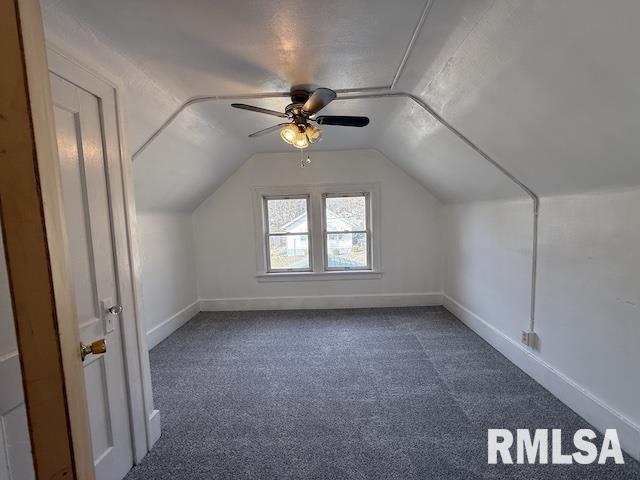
<point>412,41</point>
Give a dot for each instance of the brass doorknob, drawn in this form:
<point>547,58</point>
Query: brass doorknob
<point>97,347</point>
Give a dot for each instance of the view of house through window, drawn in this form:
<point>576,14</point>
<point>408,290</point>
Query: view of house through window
<point>346,231</point>
<point>287,236</point>
<point>344,234</point>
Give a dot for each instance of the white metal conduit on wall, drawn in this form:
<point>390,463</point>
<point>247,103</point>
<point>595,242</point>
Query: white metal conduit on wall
<point>385,92</point>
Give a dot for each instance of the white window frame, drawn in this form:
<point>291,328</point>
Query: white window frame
<point>267,235</point>
<point>326,232</point>
<point>315,214</point>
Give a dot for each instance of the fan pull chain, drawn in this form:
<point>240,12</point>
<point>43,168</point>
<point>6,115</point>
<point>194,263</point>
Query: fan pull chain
<point>304,162</point>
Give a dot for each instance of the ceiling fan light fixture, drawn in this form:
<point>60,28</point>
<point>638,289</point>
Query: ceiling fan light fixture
<point>313,133</point>
<point>296,135</point>
<point>301,140</point>
<point>299,132</point>
<point>289,133</point>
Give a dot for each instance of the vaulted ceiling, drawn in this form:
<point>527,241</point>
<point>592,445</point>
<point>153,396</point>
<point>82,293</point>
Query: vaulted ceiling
<point>548,89</point>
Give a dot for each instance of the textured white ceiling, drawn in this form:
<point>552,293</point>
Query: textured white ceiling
<point>200,46</point>
<point>549,89</point>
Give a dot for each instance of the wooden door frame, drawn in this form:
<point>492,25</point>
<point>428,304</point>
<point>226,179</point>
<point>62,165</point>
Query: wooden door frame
<point>144,420</point>
<point>38,267</point>
<point>32,215</point>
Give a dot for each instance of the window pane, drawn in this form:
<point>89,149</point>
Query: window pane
<point>289,251</point>
<point>347,250</point>
<point>346,213</point>
<point>287,215</point>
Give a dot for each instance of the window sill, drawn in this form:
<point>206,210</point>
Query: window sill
<point>333,275</point>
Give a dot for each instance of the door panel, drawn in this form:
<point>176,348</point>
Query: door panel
<point>101,431</point>
<point>15,446</point>
<point>89,229</point>
<point>67,123</point>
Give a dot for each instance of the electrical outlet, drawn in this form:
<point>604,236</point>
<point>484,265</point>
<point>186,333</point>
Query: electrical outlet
<point>530,339</point>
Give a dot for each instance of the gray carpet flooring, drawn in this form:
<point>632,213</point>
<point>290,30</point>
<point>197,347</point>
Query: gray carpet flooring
<point>402,393</point>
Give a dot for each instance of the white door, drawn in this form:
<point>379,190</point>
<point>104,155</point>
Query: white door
<point>88,218</point>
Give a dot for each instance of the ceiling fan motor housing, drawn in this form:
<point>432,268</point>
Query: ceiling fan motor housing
<point>300,96</point>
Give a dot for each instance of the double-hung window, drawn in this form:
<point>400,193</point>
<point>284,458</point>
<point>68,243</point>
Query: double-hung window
<point>287,236</point>
<point>321,231</point>
<point>347,238</point>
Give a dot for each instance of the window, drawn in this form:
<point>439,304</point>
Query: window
<point>317,231</point>
<point>346,231</point>
<point>287,234</point>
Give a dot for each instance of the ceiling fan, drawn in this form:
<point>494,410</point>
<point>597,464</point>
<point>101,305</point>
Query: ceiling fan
<point>300,130</point>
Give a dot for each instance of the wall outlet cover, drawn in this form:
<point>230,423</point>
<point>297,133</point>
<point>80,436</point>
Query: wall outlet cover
<point>530,339</point>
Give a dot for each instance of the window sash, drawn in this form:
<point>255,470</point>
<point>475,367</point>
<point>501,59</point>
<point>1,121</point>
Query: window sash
<point>267,235</point>
<point>326,233</point>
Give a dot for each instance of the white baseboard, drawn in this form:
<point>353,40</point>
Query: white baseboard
<point>170,325</point>
<point>321,301</point>
<point>154,428</point>
<point>593,409</point>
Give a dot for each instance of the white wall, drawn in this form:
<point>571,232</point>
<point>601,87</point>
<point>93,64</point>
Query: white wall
<point>410,235</point>
<point>588,302</point>
<point>15,448</point>
<point>588,313</point>
<point>169,290</point>
<point>489,260</point>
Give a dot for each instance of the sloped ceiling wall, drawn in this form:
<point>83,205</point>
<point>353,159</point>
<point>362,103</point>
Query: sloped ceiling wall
<point>548,89</point>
